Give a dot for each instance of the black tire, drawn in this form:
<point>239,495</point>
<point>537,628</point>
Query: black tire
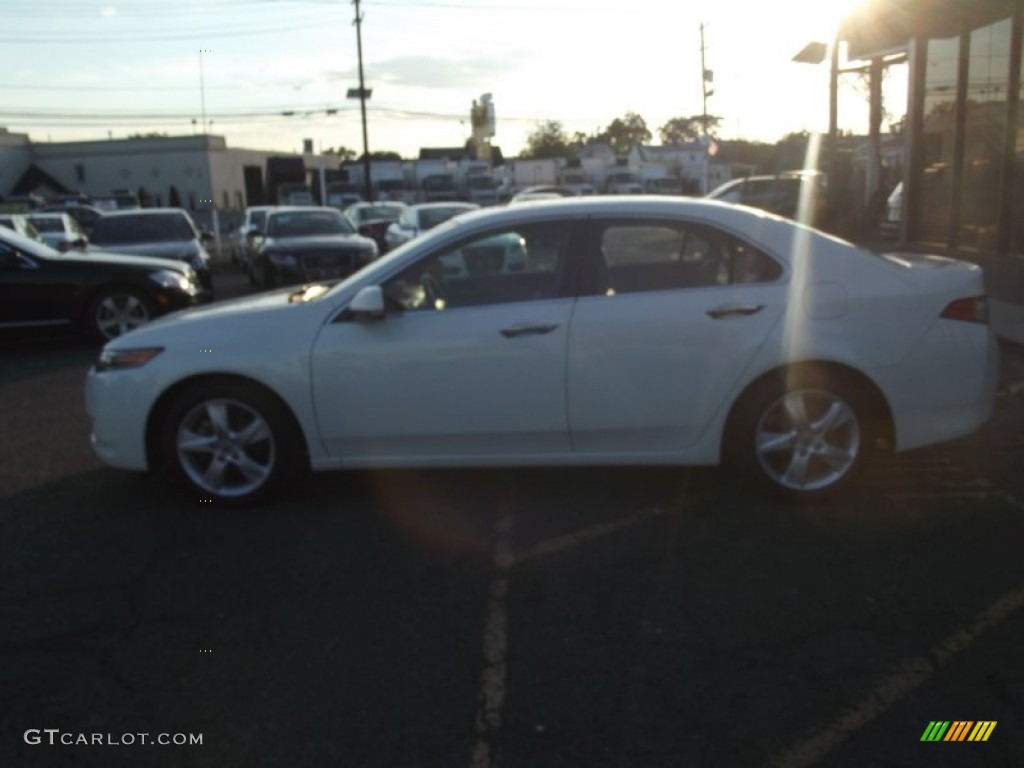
<point>243,446</point>
<point>823,432</point>
<point>116,310</point>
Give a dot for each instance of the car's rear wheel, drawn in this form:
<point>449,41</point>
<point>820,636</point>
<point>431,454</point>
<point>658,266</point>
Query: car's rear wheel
<point>804,436</point>
<point>116,311</point>
<point>231,442</point>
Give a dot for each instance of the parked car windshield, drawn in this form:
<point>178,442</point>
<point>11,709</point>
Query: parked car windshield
<point>373,212</point>
<point>299,223</point>
<point>48,223</point>
<point>143,228</point>
<point>431,217</point>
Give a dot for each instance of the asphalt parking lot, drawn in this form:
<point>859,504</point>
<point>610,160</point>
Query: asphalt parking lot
<point>514,618</point>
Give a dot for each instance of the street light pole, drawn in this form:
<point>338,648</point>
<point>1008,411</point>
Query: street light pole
<point>202,90</point>
<point>367,187</point>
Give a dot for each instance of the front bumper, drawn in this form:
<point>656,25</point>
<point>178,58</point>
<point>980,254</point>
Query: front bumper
<point>118,403</point>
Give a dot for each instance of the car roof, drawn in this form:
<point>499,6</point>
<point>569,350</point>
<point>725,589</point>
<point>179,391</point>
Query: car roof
<point>451,204</point>
<point>740,219</point>
<point>303,209</point>
<point>124,212</point>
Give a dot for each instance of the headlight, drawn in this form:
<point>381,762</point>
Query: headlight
<point>166,278</point>
<point>283,260</point>
<point>126,358</point>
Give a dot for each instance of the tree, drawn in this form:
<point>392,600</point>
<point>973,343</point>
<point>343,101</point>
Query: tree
<point>344,153</point>
<point>624,133</point>
<point>385,155</point>
<point>680,130</point>
<point>548,139</point>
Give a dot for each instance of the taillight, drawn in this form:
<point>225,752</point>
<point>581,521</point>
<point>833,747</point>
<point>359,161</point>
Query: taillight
<point>973,310</point>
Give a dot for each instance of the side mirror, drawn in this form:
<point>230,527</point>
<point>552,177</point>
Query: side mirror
<point>206,235</point>
<point>368,304</point>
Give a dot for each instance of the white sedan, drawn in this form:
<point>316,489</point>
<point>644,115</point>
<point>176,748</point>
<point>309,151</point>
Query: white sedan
<point>637,331</point>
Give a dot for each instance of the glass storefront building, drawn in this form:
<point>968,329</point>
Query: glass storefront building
<point>963,182</point>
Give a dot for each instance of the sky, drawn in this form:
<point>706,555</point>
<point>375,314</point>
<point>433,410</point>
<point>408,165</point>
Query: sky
<point>81,69</point>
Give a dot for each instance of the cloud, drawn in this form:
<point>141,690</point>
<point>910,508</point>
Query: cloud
<point>429,72</point>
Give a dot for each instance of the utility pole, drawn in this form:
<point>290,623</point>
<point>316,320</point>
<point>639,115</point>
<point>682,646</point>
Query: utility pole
<point>706,76</point>
<point>367,187</point>
<point>704,79</point>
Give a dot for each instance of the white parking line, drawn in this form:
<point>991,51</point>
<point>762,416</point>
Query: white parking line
<point>892,688</point>
<point>491,696</point>
<point>570,540</point>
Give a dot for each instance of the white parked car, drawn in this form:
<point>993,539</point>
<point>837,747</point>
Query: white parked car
<point>417,219</point>
<point>59,230</point>
<point>638,331</point>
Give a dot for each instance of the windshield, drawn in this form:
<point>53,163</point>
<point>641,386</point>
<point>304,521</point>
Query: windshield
<point>48,223</point>
<point>431,217</point>
<point>142,228</point>
<point>373,212</point>
<point>302,223</point>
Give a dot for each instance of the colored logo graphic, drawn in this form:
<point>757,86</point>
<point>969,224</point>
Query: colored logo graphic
<point>958,730</point>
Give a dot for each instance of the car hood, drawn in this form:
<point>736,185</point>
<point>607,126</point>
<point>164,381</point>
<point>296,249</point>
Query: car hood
<point>171,250</point>
<point>143,262</point>
<point>316,242</point>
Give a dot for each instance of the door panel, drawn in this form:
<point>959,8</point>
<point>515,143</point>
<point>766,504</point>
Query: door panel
<point>469,362</point>
<point>678,315</point>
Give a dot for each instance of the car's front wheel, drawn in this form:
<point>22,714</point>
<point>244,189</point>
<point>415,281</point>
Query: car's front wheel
<point>116,311</point>
<point>805,436</point>
<point>231,442</point>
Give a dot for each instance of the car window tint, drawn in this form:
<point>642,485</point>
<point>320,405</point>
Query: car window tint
<point>639,257</point>
<point>659,257</point>
<point>521,264</point>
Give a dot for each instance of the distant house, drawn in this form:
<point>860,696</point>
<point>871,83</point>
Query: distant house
<point>690,163</point>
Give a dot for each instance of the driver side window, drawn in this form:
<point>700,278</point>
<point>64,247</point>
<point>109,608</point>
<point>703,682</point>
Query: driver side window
<point>516,264</point>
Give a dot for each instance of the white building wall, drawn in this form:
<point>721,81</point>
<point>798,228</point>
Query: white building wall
<point>153,165</point>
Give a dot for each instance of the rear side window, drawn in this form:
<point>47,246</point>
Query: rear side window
<point>636,257</point>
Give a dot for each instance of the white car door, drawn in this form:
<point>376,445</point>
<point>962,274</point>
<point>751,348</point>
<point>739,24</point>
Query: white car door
<point>676,314</point>
<point>467,364</point>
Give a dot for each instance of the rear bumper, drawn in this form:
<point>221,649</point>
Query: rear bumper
<point>945,388</point>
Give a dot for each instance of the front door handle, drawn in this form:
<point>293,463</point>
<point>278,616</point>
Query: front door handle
<point>729,310</point>
<point>526,329</point>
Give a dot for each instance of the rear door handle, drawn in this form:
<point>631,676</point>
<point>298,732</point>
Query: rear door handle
<point>526,329</point>
<point>729,310</point>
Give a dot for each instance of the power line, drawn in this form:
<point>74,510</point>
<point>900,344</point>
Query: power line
<point>204,34</point>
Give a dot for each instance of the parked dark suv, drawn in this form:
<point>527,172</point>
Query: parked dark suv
<point>779,194</point>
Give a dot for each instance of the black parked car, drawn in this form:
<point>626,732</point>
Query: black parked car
<point>103,294</point>
<point>306,244</point>
<point>166,233</point>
